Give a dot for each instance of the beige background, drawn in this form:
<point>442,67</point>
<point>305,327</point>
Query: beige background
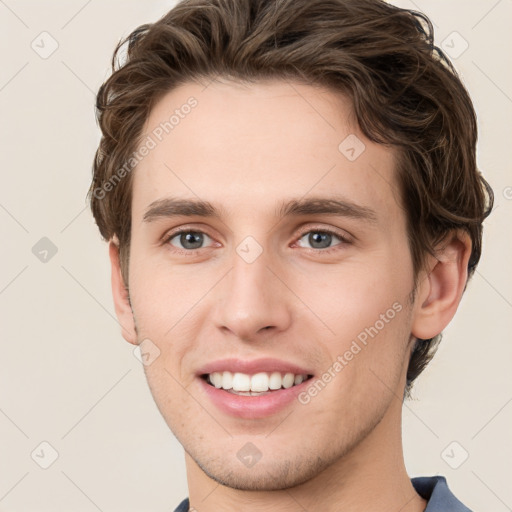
<point>68,378</point>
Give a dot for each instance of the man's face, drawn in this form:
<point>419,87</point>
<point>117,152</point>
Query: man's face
<point>254,292</point>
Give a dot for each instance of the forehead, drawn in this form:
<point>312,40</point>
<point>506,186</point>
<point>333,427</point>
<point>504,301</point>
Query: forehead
<point>248,147</point>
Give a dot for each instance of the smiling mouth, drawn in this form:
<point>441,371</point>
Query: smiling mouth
<point>257,384</point>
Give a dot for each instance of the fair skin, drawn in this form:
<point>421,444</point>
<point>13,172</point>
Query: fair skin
<point>246,149</point>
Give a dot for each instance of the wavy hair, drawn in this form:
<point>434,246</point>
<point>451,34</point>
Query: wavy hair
<point>404,92</point>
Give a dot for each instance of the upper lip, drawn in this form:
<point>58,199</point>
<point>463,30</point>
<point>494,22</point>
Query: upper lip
<point>253,366</point>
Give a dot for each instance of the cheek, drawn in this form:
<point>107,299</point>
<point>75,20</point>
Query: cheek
<point>354,297</point>
<point>366,310</point>
<point>162,296</point>
<point>365,376</point>
<point>167,390</point>
<point>169,309</point>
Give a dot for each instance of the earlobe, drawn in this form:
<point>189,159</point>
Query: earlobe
<point>441,290</point>
<point>120,295</point>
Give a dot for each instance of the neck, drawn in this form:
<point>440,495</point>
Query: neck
<point>370,478</point>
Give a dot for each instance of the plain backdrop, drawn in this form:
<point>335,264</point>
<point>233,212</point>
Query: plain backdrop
<point>67,377</point>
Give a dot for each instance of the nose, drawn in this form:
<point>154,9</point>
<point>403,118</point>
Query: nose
<point>253,300</point>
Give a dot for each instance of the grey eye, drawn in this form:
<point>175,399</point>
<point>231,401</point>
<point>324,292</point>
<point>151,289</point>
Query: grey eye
<point>189,240</point>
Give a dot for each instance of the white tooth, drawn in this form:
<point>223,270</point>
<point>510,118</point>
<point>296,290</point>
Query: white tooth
<point>227,380</point>
<point>298,379</point>
<point>241,382</point>
<point>288,380</point>
<point>259,382</point>
<point>216,379</point>
<point>275,380</point>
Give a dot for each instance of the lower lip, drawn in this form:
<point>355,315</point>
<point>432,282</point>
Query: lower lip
<point>252,407</point>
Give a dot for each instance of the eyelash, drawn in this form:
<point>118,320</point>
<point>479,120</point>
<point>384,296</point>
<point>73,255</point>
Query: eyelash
<point>192,252</point>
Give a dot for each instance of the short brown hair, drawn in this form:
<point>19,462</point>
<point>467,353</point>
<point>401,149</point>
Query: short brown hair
<point>403,89</point>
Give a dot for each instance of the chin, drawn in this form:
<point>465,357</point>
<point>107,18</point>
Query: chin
<point>270,476</point>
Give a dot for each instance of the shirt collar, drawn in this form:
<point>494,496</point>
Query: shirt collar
<point>435,490</point>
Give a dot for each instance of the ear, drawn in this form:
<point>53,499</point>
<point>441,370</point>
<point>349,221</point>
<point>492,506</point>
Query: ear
<point>121,299</point>
<point>442,287</point>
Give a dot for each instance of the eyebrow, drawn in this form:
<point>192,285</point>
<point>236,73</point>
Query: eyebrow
<point>178,207</point>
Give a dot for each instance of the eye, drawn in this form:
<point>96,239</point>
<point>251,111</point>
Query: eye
<point>190,240</point>
<point>321,239</point>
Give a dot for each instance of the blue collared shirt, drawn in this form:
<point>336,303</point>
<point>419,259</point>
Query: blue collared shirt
<point>439,498</point>
<point>434,489</point>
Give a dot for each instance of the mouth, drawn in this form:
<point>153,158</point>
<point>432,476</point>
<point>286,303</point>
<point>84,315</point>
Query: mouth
<point>253,389</point>
<point>257,384</point>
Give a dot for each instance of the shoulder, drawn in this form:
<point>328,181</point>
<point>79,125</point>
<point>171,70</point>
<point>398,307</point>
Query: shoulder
<point>435,490</point>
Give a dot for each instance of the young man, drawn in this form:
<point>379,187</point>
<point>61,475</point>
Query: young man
<point>291,197</point>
